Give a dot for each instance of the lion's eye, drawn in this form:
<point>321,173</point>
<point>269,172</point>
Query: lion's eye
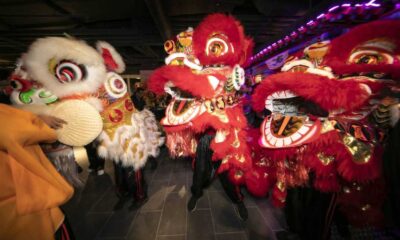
<point>370,57</point>
<point>216,47</point>
<point>67,71</point>
<point>16,85</point>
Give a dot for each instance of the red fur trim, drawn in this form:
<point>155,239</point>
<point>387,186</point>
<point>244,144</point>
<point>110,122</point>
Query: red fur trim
<point>352,171</point>
<point>330,94</point>
<point>259,182</point>
<point>278,197</point>
<point>179,143</point>
<point>245,59</point>
<point>183,78</point>
<point>342,46</point>
<point>262,177</point>
<point>327,184</point>
<point>281,154</point>
<point>235,116</point>
<point>226,25</point>
<point>223,167</point>
<point>327,144</point>
<point>108,59</point>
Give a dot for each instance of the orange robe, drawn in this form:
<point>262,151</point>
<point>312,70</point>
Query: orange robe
<point>31,190</point>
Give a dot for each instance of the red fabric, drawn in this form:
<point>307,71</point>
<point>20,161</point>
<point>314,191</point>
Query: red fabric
<point>330,94</point>
<point>108,59</point>
<point>183,78</point>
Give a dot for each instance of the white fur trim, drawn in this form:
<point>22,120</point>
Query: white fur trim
<point>115,55</point>
<point>40,53</point>
<point>141,137</point>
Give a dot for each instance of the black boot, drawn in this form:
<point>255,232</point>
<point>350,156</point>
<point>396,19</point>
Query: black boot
<point>241,211</point>
<point>192,204</point>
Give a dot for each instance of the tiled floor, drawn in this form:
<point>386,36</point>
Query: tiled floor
<point>164,217</point>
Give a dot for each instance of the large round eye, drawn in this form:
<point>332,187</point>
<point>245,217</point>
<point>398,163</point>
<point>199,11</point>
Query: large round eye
<point>16,85</point>
<point>115,86</point>
<point>216,46</point>
<point>67,71</point>
<point>370,57</point>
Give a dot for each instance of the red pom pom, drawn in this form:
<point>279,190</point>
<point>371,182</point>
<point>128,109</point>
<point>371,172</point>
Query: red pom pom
<point>258,182</point>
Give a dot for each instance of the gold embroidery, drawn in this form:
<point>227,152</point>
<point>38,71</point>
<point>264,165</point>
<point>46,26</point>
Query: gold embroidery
<point>360,151</point>
<point>325,160</point>
<point>281,186</point>
<point>116,115</point>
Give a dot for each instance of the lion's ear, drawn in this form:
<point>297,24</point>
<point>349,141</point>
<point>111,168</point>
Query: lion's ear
<point>112,59</point>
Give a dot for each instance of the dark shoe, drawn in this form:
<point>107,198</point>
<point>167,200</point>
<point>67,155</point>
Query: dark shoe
<point>241,211</point>
<point>192,204</point>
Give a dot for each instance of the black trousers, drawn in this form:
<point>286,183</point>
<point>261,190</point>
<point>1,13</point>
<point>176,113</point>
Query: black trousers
<point>309,212</point>
<point>95,162</point>
<point>129,183</point>
<point>204,171</point>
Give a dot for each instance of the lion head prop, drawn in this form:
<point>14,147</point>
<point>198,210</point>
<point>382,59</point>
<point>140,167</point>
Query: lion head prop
<point>203,75</point>
<point>330,111</point>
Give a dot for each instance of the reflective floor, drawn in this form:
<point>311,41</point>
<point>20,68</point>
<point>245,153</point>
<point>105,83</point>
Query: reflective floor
<point>164,216</point>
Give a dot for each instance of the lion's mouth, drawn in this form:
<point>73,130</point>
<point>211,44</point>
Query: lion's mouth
<point>180,112</point>
<point>183,108</point>
<point>293,120</point>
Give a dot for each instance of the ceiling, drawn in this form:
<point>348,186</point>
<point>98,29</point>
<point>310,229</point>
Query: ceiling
<point>138,28</point>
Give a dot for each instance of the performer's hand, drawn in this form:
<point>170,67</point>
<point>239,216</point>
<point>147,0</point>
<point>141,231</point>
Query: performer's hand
<point>53,122</point>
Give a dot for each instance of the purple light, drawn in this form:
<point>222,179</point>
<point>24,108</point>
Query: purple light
<point>333,8</point>
<point>372,4</point>
<point>302,29</point>
<point>358,5</point>
<point>321,16</point>
<point>346,5</point>
<point>310,23</point>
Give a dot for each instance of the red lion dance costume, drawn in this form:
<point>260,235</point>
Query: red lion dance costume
<point>330,113</point>
<point>203,76</point>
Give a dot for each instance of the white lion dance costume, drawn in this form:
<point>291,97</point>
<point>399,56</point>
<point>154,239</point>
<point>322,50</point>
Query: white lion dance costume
<point>71,71</point>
